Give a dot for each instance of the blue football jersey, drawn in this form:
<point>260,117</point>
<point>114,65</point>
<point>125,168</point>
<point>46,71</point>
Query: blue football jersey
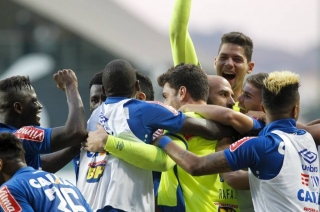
<point>37,190</point>
<point>35,140</point>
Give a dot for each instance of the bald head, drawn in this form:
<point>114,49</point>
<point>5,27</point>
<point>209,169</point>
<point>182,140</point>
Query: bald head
<point>220,91</point>
<point>119,79</point>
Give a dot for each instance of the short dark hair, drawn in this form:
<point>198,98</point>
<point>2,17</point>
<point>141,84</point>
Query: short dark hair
<point>10,90</point>
<point>280,91</point>
<point>96,79</point>
<point>188,75</point>
<point>11,147</point>
<point>145,86</point>
<point>119,78</point>
<point>15,82</point>
<point>257,79</point>
<point>240,39</point>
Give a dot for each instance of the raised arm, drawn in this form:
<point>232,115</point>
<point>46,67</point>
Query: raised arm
<point>181,44</point>
<point>74,130</point>
<point>222,115</point>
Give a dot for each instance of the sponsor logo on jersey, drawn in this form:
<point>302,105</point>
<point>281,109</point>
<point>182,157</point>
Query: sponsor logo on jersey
<point>7,201</point>
<point>309,168</point>
<point>30,133</point>
<point>310,209</point>
<point>226,207</point>
<point>305,179</point>
<point>174,111</point>
<point>237,144</point>
<point>308,196</point>
<point>95,171</point>
<point>308,156</point>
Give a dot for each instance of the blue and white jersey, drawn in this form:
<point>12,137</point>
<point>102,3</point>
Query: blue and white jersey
<point>35,140</point>
<point>36,190</point>
<point>283,167</point>
<point>106,180</point>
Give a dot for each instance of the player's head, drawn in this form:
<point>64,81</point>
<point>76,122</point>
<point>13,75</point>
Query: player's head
<point>251,97</point>
<point>11,153</point>
<point>234,59</point>
<point>119,79</point>
<point>220,92</point>
<point>96,94</point>
<point>182,83</point>
<point>280,95</point>
<point>146,92</point>
<point>19,105</point>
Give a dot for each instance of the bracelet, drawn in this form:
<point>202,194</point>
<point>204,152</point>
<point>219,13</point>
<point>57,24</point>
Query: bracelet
<point>164,141</point>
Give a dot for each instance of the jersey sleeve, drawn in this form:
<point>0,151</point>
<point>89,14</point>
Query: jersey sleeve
<point>257,124</point>
<point>181,44</point>
<point>244,153</point>
<point>35,140</point>
<point>139,154</point>
<point>12,199</point>
<point>160,116</point>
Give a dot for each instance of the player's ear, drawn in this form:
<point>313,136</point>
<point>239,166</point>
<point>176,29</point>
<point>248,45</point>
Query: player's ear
<point>1,166</point>
<point>182,92</point>
<point>262,108</point>
<point>250,67</point>
<point>17,106</point>
<point>141,96</point>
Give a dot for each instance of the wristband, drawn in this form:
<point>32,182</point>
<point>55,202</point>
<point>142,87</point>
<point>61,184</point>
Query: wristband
<point>164,141</point>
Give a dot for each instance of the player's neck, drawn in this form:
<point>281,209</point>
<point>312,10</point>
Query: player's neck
<point>237,93</point>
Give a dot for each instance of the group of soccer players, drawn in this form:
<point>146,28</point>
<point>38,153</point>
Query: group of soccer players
<point>217,143</point>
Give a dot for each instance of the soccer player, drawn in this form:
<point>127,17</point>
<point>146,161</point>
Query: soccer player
<point>276,182</point>
<point>97,96</point>
<point>112,184</point>
<point>27,189</point>
<point>146,92</point>
<point>20,114</point>
<point>179,89</point>
<point>233,61</point>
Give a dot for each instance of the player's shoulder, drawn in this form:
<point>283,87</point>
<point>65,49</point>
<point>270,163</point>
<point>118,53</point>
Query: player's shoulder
<point>32,133</point>
<point>243,141</point>
<point>159,105</point>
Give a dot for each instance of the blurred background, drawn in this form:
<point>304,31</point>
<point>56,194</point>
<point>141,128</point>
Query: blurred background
<point>38,38</point>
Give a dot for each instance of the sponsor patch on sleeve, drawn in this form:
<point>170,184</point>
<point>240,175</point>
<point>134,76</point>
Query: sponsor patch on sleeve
<point>30,133</point>
<point>237,144</point>
<point>7,201</point>
<point>174,111</point>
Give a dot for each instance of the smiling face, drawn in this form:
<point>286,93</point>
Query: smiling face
<point>250,99</point>
<point>31,108</point>
<point>232,64</point>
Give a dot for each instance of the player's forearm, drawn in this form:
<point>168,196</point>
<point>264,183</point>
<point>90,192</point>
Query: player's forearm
<point>55,161</point>
<point>193,164</point>
<point>237,180</point>
<point>181,43</point>
<point>222,115</point>
<point>142,155</point>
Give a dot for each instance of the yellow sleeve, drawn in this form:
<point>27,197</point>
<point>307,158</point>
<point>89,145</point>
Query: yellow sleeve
<point>142,155</point>
<point>182,47</point>
<point>139,154</point>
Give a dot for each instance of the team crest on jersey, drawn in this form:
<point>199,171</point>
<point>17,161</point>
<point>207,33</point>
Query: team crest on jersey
<point>95,171</point>
<point>237,144</point>
<point>7,202</point>
<point>174,111</point>
<point>30,133</point>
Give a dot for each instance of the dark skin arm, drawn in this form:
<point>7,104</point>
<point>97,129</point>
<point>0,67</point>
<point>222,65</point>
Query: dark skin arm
<point>74,130</point>
<point>206,129</point>
<point>55,161</point>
